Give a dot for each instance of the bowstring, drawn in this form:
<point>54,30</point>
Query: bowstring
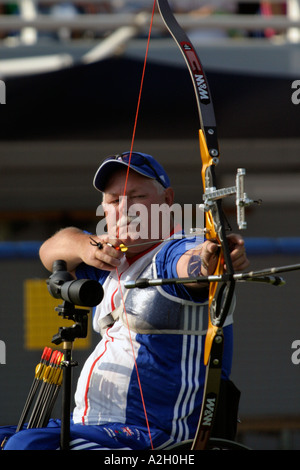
<point>140,93</point>
<point>120,215</point>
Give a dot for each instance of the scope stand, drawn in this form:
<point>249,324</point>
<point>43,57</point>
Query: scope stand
<point>67,335</point>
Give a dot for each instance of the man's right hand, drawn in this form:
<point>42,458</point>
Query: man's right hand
<point>103,253</point>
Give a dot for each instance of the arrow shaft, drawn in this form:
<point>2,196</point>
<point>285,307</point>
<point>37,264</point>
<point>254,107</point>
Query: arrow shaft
<point>263,275</point>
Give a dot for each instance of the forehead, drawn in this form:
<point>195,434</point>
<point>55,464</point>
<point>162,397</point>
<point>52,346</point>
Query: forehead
<point>118,180</point>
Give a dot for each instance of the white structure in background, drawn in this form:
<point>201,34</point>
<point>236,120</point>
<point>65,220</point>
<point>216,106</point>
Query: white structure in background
<point>293,13</point>
<point>28,12</point>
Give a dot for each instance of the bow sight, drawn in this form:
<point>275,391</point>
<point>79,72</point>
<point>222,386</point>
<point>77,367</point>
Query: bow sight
<point>241,200</point>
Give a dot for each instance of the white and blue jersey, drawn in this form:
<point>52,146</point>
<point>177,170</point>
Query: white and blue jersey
<point>161,333</point>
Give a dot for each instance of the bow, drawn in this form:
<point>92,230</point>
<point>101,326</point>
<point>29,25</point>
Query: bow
<point>220,293</point>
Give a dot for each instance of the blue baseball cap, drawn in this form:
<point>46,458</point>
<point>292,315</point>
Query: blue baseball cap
<point>140,162</point>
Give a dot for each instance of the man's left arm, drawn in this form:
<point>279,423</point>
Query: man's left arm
<point>202,260</point>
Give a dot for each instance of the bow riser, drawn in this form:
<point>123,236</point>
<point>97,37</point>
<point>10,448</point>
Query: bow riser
<point>220,294</point>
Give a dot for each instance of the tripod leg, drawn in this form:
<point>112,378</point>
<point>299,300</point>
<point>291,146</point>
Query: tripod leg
<point>66,396</point>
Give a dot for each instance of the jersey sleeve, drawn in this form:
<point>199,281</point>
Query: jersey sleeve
<point>166,265</point>
<point>83,271</point>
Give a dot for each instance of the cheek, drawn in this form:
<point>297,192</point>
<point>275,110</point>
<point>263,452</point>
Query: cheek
<point>111,215</point>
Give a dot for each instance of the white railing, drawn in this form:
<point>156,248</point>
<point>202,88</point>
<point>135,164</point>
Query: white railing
<point>29,22</point>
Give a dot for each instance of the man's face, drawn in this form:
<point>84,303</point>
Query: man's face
<point>132,217</point>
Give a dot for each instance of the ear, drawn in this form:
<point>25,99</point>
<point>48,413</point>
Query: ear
<point>169,196</point>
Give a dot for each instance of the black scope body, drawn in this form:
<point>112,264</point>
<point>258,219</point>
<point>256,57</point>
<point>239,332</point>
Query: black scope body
<point>82,292</point>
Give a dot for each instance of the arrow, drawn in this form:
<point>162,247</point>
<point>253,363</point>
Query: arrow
<point>52,389</point>
<point>38,378</point>
<point>263,275</point>
<point>122,247</point>
<point>44,397</point>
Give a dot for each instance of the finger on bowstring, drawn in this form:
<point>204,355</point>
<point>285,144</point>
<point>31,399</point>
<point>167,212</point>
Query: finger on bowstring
<point>101,244</point>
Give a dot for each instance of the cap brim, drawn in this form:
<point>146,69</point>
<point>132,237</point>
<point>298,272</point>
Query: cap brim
<point>105,171</point>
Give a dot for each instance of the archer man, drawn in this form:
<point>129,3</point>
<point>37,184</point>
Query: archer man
<point>142,386</point>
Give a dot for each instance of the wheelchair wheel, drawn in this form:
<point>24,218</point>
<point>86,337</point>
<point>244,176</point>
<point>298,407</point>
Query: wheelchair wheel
<point>213,444</point>
<point>224,444</point>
